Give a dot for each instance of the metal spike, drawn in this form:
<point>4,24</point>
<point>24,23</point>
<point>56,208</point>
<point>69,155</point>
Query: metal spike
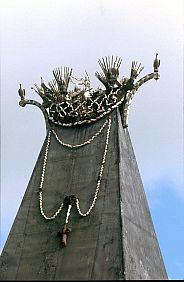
<point>104,65</point>
<point>38,88</point>
<point>87,75</point>
<point>115,63</point>
<point>109,62</point>
<point>139,66</point>
<point>101,65</point>
<point>107,67</point>
<point>119,63</point>
<point>141,69</point>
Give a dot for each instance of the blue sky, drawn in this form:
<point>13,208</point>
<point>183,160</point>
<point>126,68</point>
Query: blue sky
<point>37,36</point>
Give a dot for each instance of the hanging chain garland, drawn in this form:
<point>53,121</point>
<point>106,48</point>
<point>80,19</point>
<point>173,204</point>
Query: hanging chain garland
<point>72,199</point>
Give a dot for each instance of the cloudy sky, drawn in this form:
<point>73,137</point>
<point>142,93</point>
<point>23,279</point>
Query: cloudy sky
<point>37,36</point>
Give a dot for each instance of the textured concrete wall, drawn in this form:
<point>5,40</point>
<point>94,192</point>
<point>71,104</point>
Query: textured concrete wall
<point>94,249</point>
<point>118,234</point>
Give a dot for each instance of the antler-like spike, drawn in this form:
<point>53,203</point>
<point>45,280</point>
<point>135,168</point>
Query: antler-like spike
<point>107,66</point>
<point>108,62</point>
<point>118,63</point>
<point>135,69</point>
<point>65,74</point>
<point>133,64</point>
<point>70,72</point>
<point>100,74</point>
<point>101,77</point>
<point>87,75</point>
<point>102,66</point>
<point>141,69</point>
<point>37,88</point>
<point>54,86</point>
<point>112,61</point>
<point>139,66</point>
<point>62,77</point>
<point>60,73</point>
<point>103,63</point>
<point>55,73</point>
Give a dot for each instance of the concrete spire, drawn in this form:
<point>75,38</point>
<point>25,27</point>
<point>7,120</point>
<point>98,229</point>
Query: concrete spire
<point>115,241</point>
<point>84,215</point>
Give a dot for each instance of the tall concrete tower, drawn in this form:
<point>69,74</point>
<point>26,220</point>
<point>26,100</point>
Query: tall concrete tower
<point>84,215</point>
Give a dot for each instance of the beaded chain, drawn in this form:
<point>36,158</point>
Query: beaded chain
<point>83,144</point>
<point>70,200</point>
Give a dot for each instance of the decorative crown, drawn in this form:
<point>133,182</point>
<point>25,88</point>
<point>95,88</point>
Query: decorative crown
<point>82,105</point>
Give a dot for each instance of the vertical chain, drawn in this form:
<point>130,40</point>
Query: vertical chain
<point>42,182</point>
<point>99,177</point>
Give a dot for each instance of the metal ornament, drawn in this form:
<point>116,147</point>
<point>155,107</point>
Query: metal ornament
<point>83,105</point>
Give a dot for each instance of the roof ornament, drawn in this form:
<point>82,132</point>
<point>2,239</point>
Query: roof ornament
<point>82,104</point>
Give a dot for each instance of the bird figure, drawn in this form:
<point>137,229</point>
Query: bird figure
<point>44,87</point>
<point>21,92</point>
<point>156,63</point>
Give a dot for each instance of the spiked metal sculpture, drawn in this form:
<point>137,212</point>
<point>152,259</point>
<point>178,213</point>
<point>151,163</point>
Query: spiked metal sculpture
<point>79,106</point>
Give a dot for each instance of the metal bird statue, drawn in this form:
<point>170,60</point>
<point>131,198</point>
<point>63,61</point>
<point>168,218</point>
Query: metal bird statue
<point>156,63</point>
<point>21,92</point>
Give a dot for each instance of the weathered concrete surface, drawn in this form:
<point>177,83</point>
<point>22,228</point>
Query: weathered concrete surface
<point>118,234</point>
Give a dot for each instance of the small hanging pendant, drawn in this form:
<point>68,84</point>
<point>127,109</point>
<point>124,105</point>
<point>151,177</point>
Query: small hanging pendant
<point>63,234</point>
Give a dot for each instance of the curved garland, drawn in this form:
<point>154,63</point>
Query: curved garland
<point>70,200</point>
<point>84,143</point>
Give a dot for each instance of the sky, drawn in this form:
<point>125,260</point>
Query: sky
<point>37,36</point>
